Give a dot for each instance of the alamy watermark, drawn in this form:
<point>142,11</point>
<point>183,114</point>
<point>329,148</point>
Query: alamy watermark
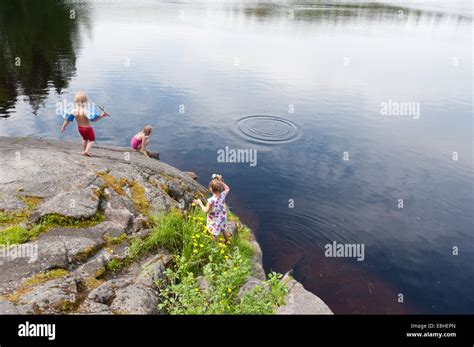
<point>64,106</point>
<point>400,108</point>
<point>29,250</point>
<point>237,155</point>
<point>345,250</point>
<point>28,329</point>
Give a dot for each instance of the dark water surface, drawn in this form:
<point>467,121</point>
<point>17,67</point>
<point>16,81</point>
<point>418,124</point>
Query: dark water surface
<point>301,85</point>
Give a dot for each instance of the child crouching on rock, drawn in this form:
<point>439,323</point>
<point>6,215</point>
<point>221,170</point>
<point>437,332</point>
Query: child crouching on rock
<point>215,208</point>
<point>141,140</point>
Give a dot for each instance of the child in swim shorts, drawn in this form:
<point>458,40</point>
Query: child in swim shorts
<point>84,115</point>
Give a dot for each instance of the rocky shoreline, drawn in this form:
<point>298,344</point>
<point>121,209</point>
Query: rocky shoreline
<point>95,207</point>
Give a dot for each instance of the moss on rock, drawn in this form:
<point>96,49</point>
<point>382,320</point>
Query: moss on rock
<point>109,240</point>
<point>137,191</point>
<point>36,280</point>
<point>22,233</point>
<point>8,218</point>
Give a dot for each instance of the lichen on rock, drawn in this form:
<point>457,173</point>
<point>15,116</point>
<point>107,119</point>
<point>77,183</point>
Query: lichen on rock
<point>83,216</point>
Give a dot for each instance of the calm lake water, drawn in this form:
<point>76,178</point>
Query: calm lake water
<point>306,86</point>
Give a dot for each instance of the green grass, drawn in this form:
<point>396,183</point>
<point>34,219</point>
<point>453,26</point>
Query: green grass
<point>44,277</point>
<point>109,240</point>
<point>243,242</point>
<point>115,265</point>
<point>17,234</point>
<point>172,231</point>
<point>8,218</point>
<point>16,231</point>
<point>232,216</point>
<point>196,257</point>
<point>56,220</point>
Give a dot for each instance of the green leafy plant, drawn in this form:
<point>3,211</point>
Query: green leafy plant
<point>206,276</point>
<point>265,299</point>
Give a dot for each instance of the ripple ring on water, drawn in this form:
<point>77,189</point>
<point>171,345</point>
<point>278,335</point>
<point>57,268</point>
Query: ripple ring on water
<point>268,129</point>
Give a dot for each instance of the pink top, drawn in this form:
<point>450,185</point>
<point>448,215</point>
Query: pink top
<point>135,143</point>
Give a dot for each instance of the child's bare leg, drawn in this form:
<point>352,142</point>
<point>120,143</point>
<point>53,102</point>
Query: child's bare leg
<point>88,148</point>
<point>84,146</point>
<point>226,238</point>
<point>214,238</point>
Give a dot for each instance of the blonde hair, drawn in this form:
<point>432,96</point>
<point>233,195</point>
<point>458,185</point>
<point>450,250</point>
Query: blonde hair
<point>80,98</point>
<point>216,186</point>
<point>147,130</point>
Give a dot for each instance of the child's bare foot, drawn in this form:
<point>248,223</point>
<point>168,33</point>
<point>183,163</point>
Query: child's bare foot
<point>86,154</point>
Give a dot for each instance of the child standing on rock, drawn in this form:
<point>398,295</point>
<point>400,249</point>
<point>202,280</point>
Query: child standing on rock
<point>83,114</point>
<point>215,208</point>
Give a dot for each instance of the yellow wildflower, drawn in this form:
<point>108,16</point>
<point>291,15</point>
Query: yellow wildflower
<point>229,290</point>
<point>195,251</point>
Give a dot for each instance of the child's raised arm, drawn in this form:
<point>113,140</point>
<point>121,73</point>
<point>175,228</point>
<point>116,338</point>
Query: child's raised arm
<point>102,115</point>
<point>226,187</point>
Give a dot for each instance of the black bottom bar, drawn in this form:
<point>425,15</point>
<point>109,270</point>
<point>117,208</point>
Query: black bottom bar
<point>135,330</point>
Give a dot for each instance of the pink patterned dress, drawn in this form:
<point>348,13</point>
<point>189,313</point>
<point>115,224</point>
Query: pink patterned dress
<point>217,216</point>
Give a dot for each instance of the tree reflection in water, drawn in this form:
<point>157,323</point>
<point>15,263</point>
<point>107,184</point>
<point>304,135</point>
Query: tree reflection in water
<point>39,46</point>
